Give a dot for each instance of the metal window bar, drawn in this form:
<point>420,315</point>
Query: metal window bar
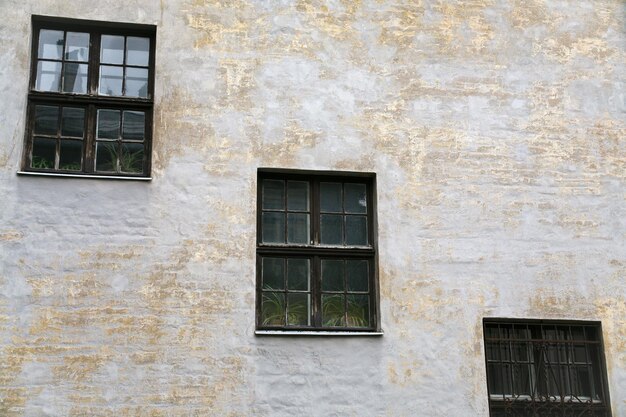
<point>539,372</point>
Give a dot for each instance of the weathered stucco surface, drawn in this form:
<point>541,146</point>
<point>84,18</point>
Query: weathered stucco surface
<point>497,132</point>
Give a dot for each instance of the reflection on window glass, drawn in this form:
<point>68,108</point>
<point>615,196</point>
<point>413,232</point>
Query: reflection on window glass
<point>75,78</point>
<point>108,124</point>
<point>48,76</point>
<point>273,273</point>
<point>273,195</point>
<point>112,50</point>
<point>136,82</point>
<point>111,80</point>
<point>46,120</point>
<point>330,197</point>
<point>133,125</point>
<point>137,51</point>
<point>72,122</point>
<point>50,44</point>
<point>77,47</point>
<point>273,227</point>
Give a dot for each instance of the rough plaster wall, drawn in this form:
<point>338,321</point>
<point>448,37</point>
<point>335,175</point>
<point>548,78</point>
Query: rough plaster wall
<point>497,131</point>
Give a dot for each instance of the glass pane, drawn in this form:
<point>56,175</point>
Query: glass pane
<point>136,82</point>
<point>48,76</point>
<point>298,274</point>
<point>137,51</point>
<point>131,158</point>
<point>106,156</point>
<point>50,44</point>
<point>333,310</point>
<point>357,311</point>
<point>521,377</point>
<point>75,78</point>
<point>297,196</point>
<point>355,200</point>
<point>44,151</point>
<point>46,120</point>
<point>357,275</point>
<point>110,80</point>
<point>330,197</point>
<point>273,273</point>
<point>108,124</point>
<point>494,377</point>
<point>273,227</point>
<point>331,229</point>
<point>77,47</point>
<point>356,230</point>
<point>273,309</point>
<point>298,309</point>
<point>133,125</point>
<point>332,275</point>
<point>273,195</point>
<point>72,122</point>
<point>298,228</point>
<point>71,155</point>
<point>112,49</point>
<point>580,353</point>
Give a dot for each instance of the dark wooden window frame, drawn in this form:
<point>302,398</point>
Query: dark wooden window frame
<point>317,252</point>
<point>90,101</point>
<point>515,405</point>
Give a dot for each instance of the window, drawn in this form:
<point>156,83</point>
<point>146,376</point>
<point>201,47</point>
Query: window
<point>90,98</point>
<point>316,252</point>
<point>545,368</point>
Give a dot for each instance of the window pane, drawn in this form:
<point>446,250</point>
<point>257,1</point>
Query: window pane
<point>330,197</point>
<point>298,274</point>
<point>297,196</point>
<point>298,228</point>
<point>46,120</point>
<point>112,49</point>
<point>298,309</point>
<point>331,229</point>
<point>131,158</point>
<point>333,310</point>
<point>108,124</point>
<point>355,200</point>
<point>75,78</point>
<point>106,156</point>
<point>71,155</point>
<point>48,76</point>
<point>357,275</point>
<point>110,80</point>
<point>134,125</point>
<point>273,309</point>
<point>72,122</point>
<point>44,151</point>
<point>273,273</point>
<point>273,195</point>
<point>332,275</point>
<point>356,230</point>
<point>357,310</point>
<point>137,51</point>
<point>77,47</point>
<point>273,227</point>
<point>50,44</point>
<point>136,82</point>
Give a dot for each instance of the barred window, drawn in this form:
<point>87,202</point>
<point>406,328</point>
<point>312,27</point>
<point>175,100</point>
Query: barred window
<point>545,368</point>
<point>316,263</point>
<point>90,99</point>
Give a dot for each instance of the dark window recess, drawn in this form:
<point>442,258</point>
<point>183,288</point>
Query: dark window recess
<point>91,98</point>
<point>316,252</point>
<point>545,369</point>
